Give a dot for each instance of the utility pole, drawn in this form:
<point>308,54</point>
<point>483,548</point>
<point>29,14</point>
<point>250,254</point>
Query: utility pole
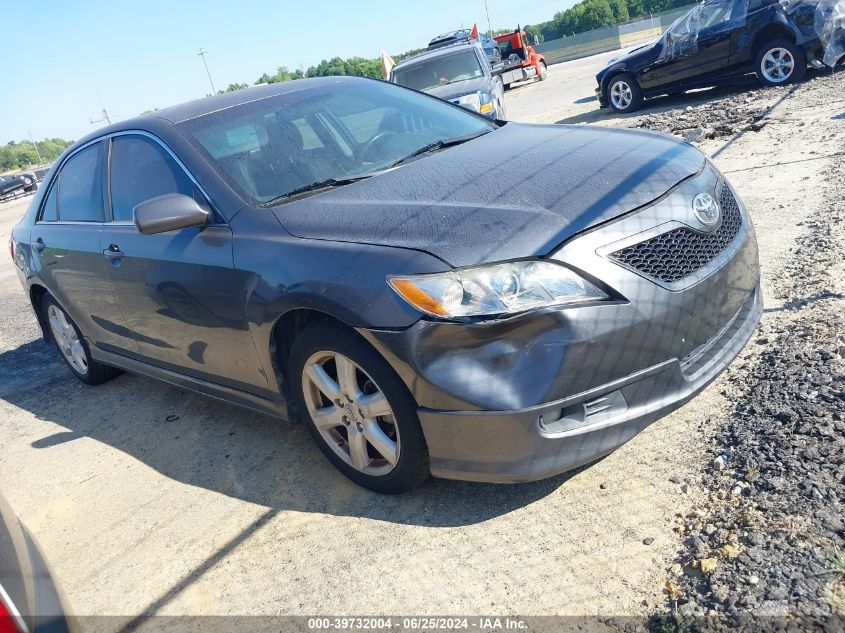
<point>489,26</point>
<point>202,54</point>
<point>37,153</point>
<point>104,117</point>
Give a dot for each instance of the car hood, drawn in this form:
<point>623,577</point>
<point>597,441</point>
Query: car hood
<point>519,191</point>
<point>634,52</point>
<point>459,88</point>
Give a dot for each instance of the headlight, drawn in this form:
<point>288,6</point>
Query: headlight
<point>472,101</point>
<point>495,289</point>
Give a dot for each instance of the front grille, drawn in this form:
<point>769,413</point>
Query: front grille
<point>672,256</point>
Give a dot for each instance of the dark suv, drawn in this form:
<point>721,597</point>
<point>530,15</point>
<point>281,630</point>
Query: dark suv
<point>719,39</point>
<point>459,73</point>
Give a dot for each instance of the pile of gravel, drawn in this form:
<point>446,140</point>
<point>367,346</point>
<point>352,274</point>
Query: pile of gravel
<point>764,542</point>
<point>719,118</point>
<point>760,552</point>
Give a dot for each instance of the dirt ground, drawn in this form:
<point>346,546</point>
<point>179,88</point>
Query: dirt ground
<point>148,499</point>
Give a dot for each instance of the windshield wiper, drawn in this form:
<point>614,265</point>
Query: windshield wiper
<point>436,146</point>
<point>314,187</point>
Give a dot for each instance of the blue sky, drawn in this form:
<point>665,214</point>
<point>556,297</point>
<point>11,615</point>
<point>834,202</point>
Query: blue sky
<point>63,61</point>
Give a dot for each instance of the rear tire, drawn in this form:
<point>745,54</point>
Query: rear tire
<point>780,62</point>
<point>624,94</point>
<point>72,346</point>
<point>346,422</point>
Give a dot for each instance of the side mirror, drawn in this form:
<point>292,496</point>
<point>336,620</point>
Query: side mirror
<point>168,213</point>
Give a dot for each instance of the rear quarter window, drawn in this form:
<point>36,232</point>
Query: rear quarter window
<point>50,210</point>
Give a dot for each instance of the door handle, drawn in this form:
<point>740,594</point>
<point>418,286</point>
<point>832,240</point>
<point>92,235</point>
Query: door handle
<point>38,245</point>
<point>113,252</point>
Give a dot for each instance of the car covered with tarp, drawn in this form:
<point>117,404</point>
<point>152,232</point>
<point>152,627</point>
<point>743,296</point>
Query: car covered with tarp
<point>722,39</point>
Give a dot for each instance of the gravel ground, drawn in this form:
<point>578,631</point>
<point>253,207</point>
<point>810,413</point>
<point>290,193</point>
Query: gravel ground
<point>763,548</point>
<point>719,118</point>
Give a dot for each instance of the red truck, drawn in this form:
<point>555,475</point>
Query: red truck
<point>519,59</point>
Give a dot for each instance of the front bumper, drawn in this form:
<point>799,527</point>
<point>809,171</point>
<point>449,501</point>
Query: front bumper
<point>529,397</point>
<point>601,98</point>
<point>538,442</point>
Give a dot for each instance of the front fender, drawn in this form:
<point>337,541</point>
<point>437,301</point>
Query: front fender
<point>279,273</point>
<point>609,74</point>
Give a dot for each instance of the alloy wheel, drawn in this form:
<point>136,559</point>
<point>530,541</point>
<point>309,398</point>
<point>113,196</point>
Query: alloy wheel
<point>621,95</point>
<point>67,339</point>
<point>351,413</point>
<point>777,65</point>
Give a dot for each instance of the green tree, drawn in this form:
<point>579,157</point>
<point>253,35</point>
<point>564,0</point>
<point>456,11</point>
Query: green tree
<point>22,154</point>
<point>233,88</point>
<point>592,14</point>
<point>620,11</point>
<point>534,31</point>
<point>597,13</point>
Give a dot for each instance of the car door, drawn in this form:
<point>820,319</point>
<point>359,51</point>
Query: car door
<point>66,249</point>
<point>696,48</point>
<point>178,290</point>
<point>750,16</point>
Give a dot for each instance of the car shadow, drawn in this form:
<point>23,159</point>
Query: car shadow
<point>666,103</point>
<point>203,442</point>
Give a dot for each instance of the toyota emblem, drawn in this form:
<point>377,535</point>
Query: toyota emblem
<point>706,209</point>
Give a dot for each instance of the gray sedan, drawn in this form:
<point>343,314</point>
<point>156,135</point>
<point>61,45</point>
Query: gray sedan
<point>430,291</point>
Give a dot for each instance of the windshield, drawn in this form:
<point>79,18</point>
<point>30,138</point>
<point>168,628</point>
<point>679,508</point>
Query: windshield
<point>439,71</point>
<point>271,147</point>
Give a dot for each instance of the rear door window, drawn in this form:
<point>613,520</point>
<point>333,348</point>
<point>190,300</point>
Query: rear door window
<point>80,186</point>
<point>142,169</point>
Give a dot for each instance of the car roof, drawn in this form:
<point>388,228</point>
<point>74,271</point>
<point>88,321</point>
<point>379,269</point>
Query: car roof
<point>200,107</point>
<point>434,53</point>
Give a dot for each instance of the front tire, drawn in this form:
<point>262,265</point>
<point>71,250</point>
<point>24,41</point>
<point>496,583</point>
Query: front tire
<point>72,345</point>
<point>544,72</point>
<point>358,411</point>
<point>624,94</point>
<point>780,62</point>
